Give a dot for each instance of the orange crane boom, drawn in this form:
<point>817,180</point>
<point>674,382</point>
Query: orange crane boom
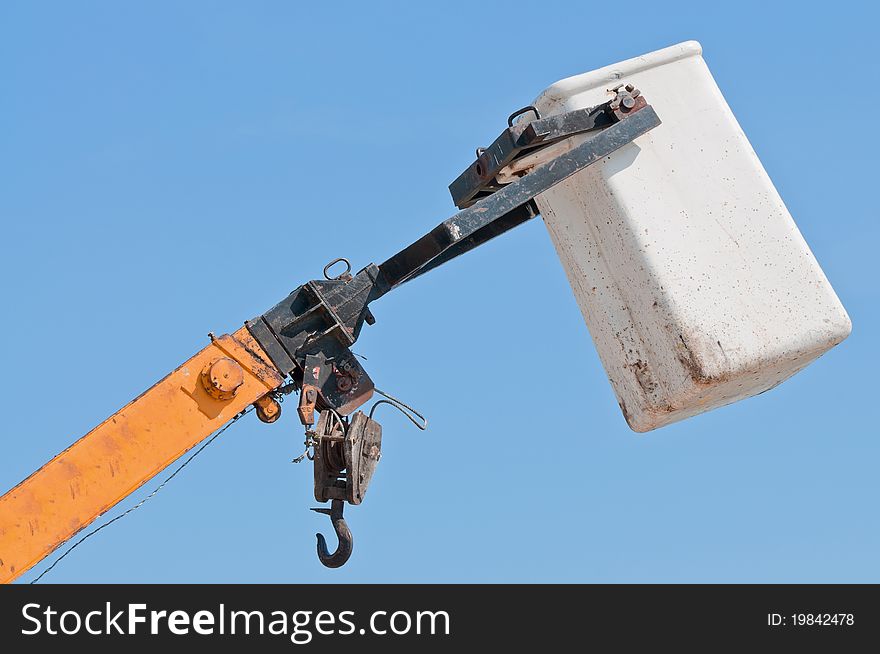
<point>130,447</point>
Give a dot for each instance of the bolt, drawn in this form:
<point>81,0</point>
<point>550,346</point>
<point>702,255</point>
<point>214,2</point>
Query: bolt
<point>222,378</point>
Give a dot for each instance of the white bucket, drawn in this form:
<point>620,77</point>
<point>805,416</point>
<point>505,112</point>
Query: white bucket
<point>694,281</point>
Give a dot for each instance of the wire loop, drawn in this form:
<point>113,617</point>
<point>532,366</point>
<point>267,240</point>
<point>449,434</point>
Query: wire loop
<point>405,409</point>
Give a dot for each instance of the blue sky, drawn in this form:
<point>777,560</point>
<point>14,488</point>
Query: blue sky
<point>140,140</point>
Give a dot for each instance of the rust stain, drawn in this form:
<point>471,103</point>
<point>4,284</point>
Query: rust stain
<point>644,377</point>
<point>693,364</point>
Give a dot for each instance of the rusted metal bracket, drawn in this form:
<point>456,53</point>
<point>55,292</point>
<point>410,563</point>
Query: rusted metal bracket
<point>307,400</point>
<point>308,335</point>
<point>481,178</point>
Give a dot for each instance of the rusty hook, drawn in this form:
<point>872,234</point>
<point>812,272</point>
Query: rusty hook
<point>343,533</point>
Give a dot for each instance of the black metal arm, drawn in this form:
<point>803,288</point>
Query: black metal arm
<point>511,204</point>
<point>309,333</point>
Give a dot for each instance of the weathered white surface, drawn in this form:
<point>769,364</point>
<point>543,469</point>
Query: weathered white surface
<point>695,283</point>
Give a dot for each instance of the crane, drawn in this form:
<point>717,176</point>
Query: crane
<point>300,345</point>
<point>664,234</point>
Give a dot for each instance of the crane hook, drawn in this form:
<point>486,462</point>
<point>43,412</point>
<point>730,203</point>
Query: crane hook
<point>343,533</point>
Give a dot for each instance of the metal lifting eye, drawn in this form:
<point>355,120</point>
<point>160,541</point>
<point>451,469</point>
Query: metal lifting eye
<point>519,112</point>
<point>345,274</point>
<point>343,533</point>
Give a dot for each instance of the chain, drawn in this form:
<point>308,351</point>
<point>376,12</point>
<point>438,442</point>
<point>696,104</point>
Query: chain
<point>313,439</point>
<point>311,442</point>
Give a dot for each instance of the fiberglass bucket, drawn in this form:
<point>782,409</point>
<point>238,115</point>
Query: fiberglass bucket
<point>695,283</point>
